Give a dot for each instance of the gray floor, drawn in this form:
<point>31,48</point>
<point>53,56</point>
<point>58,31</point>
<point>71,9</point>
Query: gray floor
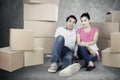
<point>39,72</point>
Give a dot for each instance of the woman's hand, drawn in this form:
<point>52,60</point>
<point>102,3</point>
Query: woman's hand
<point>84,44</point>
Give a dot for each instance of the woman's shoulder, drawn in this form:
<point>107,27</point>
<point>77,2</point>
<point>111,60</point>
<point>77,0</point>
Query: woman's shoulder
<point>79,29</point>
<point>95,29</point>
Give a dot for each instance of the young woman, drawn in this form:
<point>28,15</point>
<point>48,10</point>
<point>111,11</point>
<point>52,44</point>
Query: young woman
<point>87,37</point>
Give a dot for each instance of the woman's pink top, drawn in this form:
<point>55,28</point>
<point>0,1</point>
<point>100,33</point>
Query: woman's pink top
<point>87,36</point>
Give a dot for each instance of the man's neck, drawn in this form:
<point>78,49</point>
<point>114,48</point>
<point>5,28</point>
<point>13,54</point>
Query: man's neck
<point>69,29</point>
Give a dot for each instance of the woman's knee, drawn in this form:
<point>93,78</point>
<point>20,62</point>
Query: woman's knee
<point>81,50</point>
<point>81,47</point>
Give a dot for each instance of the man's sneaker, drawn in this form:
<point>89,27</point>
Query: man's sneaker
<point>53,67</point>
<point>70,70</point>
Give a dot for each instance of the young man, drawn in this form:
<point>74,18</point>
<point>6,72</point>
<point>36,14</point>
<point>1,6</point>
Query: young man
<point>63,49</point>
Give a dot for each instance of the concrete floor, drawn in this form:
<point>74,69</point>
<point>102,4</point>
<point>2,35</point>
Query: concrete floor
<point>39,72</point>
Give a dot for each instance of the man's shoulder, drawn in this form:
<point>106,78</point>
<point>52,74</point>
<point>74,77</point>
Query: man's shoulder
<point>60,29</point>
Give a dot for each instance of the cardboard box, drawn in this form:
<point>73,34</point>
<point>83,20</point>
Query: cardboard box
<point>21,39</point>
<point>45,43</point>
<point>115,42</point>
<point>110,58</point>
<point>44,12</point>
<point>113,16</point>
<point>103,44</point>
<point>98,25</point>
<point>34,57</point>
<point>42,1</point>
<point>106,28</point>
<point>114,12</point>
<point>11,60</point>
<point>110,27</point>
<point>41,28</point>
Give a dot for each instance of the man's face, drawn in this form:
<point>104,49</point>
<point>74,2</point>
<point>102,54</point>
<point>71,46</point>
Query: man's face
<point>84,21</point>
<point>70,23</point>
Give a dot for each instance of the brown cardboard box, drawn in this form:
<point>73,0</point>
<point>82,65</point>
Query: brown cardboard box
<point>11,60</point>
<point>21,39</point>
<point>106,28</point>
<point>115,12</point>
<point>41,28</point>
<point>102,44</point>
<point>110,27</point>
<point>34,57</point>
<point>113,16</point>
<point>42,1</point>
<point>45,43</point>
<point>110,58</point>
<point>44,12</point>
<point>98,25</point>
<point>115,42</point>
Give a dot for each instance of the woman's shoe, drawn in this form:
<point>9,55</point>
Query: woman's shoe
<point>90,68</point>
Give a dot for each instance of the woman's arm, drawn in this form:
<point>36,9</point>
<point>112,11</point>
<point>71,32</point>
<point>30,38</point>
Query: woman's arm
<point>79,42</point>
<point>94,39</point>
<point>87,43</point>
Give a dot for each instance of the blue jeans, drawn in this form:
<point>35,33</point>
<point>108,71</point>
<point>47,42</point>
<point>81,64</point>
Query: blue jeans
<point>83,53</point>
<point>61,53</point>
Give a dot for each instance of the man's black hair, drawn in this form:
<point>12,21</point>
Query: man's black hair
<point>72,16</point>
<point>85,15</point>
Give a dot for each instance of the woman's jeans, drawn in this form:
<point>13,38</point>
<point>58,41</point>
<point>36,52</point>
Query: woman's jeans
<point>61,53</point>
<point>83,53</point>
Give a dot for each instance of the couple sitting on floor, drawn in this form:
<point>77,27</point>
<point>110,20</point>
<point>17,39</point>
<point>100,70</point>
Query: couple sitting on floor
<point>68,41</point>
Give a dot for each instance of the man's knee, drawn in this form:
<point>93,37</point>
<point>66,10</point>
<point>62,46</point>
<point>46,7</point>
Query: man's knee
<point>60,38</point>
<point>69,57</point>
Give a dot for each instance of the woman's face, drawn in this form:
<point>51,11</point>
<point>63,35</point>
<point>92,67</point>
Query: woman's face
<point>85,22</point>
<point>70,23</point>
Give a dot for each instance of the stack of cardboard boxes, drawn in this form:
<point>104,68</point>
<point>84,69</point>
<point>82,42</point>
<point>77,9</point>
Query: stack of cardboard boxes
<point>28,45</point>
<point>41,17</point>
<point>111,55</point>
<point>111,25</point>
<point>105,30</point>
<point>109,35</point>
<point>21,51</point>
<point>23,39</point>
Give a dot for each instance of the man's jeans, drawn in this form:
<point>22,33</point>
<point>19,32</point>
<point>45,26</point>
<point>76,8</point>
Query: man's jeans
<point>61,53</point>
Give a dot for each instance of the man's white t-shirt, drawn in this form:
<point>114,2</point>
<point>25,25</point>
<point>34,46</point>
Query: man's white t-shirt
<point>69,36</point>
